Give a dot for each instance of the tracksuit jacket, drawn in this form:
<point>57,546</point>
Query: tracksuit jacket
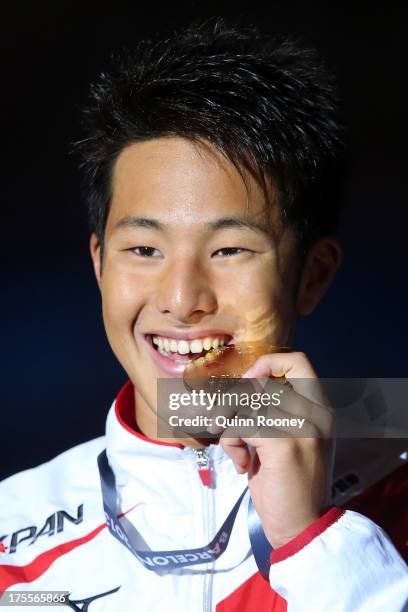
<point>54,535</point>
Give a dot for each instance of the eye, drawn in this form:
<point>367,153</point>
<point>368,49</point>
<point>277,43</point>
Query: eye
<point>146,251</point>
<point>229,251</point>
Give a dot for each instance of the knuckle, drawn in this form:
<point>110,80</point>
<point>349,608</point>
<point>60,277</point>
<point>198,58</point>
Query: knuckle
<point>313,439</point>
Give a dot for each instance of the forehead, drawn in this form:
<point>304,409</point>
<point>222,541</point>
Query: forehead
<point>182,183</point>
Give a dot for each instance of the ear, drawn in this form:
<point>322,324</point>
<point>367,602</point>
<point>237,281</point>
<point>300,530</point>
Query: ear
<point>322,263</point>
<point>95,247</point>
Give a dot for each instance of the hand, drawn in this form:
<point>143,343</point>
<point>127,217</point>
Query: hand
<point>289,474</point>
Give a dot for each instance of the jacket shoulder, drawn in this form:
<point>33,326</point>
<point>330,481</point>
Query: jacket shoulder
<point>58,483</point>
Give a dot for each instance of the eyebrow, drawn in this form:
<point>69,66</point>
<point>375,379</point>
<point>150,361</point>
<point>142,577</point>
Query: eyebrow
<point>139,222</point>
<point>237,222</point>
<point>219,224</point>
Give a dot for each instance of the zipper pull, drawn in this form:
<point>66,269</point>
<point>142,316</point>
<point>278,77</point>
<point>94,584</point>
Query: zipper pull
<point>203,464</point>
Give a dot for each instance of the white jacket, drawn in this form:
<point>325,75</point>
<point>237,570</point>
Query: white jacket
<point>54,537</point>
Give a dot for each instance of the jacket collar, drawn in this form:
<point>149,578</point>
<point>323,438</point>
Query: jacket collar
<point>125,444</point>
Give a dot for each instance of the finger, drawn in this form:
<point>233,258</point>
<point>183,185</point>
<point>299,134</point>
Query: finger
<point>292,404</point>
<point>296,368</point>
<point>292,408</point>
<point>238,451</point>
<point>283,364</point>
<point>295,417</point>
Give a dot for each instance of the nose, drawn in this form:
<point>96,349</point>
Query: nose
<point>185,292</point>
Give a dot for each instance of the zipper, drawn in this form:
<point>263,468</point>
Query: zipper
<point>201,457</point>
<point>205,473</point>
<point>203,465</point>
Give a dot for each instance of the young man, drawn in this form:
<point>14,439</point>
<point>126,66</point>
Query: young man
<point>212,162</point>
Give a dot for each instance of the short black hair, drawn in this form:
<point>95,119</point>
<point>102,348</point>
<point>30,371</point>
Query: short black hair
<point>267,103</point>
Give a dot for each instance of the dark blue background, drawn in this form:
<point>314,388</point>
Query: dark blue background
<point>58,373</point>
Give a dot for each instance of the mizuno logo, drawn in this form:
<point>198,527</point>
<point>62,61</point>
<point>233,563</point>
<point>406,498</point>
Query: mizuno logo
<point>82,605</point>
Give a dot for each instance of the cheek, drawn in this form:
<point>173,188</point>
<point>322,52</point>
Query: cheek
<point>122,299</point>
<point>262,304</point>
<point>260,286</point>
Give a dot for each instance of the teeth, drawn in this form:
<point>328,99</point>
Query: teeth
<point>196,346</point>
<point>205,359</point>
<point>183,347</point>
<point>207,344</point>
<point>212,355</point>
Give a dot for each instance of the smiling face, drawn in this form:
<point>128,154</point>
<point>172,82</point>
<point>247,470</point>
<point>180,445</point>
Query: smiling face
<point>192,257</point>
